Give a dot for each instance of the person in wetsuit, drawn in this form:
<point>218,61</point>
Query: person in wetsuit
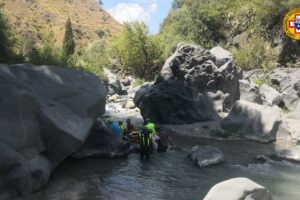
<point>146,143</point>
<point>163,141</point>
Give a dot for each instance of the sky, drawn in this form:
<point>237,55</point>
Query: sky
<point>152,12</point>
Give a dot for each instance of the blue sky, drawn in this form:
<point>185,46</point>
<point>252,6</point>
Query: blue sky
<point>152,12</point>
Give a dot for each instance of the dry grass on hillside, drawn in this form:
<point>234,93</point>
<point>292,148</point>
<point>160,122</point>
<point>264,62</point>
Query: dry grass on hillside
<point>34,17</point>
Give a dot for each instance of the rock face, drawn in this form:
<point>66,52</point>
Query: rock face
<point>46,114</point>
<point>179,95</point>
<point>292,154</point>
<point>249,92</point>
<point>288,81</point>
<point>102,142</point>
<point>238,189</point>
<point>203,156</point>
<point>255,122</point>
<point>255,75</point>
<point>269,95</point>
<point>114,84</point>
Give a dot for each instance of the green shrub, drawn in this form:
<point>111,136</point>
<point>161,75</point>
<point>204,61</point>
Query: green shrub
<point>138,52</point>
<point>138,82</point>
<point>257,54</point>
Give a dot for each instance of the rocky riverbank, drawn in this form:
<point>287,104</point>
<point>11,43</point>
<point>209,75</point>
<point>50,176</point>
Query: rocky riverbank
<point>51,113</point>
<point>47,114</point>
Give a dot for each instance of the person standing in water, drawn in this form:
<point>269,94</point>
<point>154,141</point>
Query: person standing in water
<point>163,141</point>
<point>146,143</point>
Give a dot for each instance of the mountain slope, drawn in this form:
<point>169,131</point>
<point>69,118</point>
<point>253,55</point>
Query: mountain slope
<point>34,17</point>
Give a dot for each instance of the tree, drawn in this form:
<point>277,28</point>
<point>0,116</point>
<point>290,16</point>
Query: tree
<point>99,2</point>
<point>68,43</point>
<point>138,52</point>
<point>177,4</point>
<point>4,38</point>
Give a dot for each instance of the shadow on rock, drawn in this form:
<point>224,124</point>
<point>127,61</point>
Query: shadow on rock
<point>102,143</point>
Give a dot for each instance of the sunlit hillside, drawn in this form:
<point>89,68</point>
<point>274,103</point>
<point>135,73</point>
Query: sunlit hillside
<point>32,18</point>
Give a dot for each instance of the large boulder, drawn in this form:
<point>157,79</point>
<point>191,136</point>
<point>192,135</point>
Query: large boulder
<point>255,122</point>
<point>269,95</point>
<point>102,142</point>
<point>238,189</point>
<point>179,95</point>
<point>113,83</point>
<point>46,114</point>
<point>249,92</point>
<point>203,156</point>
<point>288,81</point>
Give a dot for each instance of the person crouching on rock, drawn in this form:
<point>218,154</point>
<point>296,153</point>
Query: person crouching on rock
<point>115,128</point>
<point>145,144</point>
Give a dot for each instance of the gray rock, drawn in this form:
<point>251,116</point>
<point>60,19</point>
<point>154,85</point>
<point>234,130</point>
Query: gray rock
<point>222,56</point>
<point>180,96</point>
<point>293,125</point>
<point>46,114</point>
<point>255,75</point>
<point>249,92</point>
<point>114,84</point>
<point>238,189</point>
<point>288,81</point>
<point>132,91</point>
<point>292,154</point>
<point>203,156</point>
<point>277,76</point>
<point>255,122</point>
<point>102,143</point>
<point>219,99</point>
<point>269,95</point>
<point>171,103</point>
<point>296,113</point>
<point>126,81</point>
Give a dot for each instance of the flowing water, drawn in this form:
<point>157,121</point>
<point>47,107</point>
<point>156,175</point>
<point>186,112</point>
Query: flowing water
<point>171,175</point>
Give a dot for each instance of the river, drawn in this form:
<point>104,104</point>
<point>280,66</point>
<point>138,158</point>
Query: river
<point>171,175</point>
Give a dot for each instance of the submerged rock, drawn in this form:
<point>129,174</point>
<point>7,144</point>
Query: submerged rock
<point>180,94</point>
<point>46,114</point>
<point>203,156</point>
<point>255,122</point>
<point>292,154</point>
<point>238,189</point>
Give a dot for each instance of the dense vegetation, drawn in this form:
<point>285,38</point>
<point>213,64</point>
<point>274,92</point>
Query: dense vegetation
<point>251,30</point>
<point>137,51</point>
